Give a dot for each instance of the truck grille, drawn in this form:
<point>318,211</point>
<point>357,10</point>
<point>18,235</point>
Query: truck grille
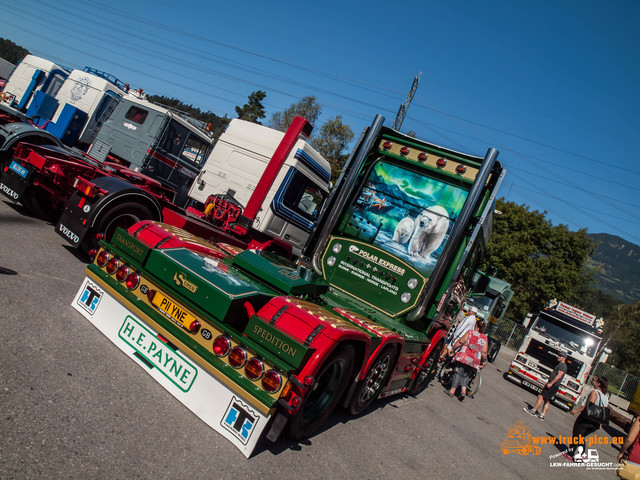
<point>548,357</point>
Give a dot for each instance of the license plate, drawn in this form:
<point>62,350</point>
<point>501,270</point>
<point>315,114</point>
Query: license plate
<point>173,310</point>
<point>531,386</point>
<point>19,169</point>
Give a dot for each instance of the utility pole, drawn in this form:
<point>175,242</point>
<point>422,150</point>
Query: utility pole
<point>402,111</point>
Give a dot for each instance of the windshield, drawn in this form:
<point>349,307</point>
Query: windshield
<point>569,336</point>
<point>483,303</point>
<point>405,213</point>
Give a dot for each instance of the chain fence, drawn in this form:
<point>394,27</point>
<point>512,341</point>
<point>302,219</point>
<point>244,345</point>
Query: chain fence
<point>621,383</point>
<point>508,332</point>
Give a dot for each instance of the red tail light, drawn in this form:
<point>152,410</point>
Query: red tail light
<point>221,346</point>
<point>461,169</point>
<point>122,273</point>
<point>195,326</point>
<point>133,280</point>
<point>112,265</point>
<point>102,258</point>
<point>254,369</point>
<point>271,381</point>
<point>85,187</point>
<point>150,295</point>
<point>237,357</point>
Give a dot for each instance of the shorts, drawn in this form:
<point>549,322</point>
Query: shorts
<point>548,393</point>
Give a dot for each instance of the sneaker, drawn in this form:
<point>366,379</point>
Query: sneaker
<point>541,417</point>
<point>530,411</point>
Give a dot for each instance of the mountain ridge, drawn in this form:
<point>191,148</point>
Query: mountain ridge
<point>618,267</point>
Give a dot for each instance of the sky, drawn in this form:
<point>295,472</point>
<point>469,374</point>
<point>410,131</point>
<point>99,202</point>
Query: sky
<point>553,85</point>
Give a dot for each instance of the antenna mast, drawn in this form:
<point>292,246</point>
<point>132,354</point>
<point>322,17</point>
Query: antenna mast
<point>402,111</point>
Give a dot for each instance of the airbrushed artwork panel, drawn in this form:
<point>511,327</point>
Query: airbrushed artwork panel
<point>406,214</point>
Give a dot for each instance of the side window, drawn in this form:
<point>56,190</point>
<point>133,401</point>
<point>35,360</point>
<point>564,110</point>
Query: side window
<point>136,114</point>
<point>174,139</point>
<point>195,150</point>
<point>304,197</point>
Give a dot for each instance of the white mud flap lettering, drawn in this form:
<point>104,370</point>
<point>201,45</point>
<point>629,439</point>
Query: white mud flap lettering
<point>211,400</point>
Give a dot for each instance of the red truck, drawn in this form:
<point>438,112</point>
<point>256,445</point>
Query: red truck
<point>141,147</point>
<point>256,344</point>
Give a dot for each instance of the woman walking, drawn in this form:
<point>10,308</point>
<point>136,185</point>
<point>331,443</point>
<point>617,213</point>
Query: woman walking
<point>584,426</point>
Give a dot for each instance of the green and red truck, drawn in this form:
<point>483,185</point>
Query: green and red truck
<point>256,344</point>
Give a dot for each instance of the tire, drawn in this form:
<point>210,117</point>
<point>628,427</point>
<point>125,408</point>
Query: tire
<point>427,373</point>
<point>445,373</point>
<point>371,386</point>
<point>474,385</point>
<point>122,216</point>
<point>328,388</point>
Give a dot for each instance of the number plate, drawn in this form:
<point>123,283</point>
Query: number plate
<point>173,310</point>
<point>19,169</point>
<point>531,386</point>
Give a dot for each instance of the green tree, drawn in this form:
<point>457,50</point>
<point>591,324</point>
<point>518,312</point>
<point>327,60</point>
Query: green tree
<point>215,123</point>
<point>331,141</point>
<point>11,52</point>
<point>622,335</point>
<point>307,107</point>
<point>253,110</point>
<point>541,261</point>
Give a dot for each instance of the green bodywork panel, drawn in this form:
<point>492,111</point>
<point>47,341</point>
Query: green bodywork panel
<point>282,275</point>
<point>207,283</point>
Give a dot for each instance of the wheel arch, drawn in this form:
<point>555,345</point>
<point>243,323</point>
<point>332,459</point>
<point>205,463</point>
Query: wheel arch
<point>120,191</point>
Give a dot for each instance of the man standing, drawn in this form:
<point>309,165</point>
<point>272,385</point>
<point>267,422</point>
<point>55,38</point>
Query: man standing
<point>550,388</point>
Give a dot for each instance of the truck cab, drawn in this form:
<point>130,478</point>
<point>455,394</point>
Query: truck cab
<point>155,141</point>
<point>559,327</point>
<point>33,74</point>
<point>289,207</point>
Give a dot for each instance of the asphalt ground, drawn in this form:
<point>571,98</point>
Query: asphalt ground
<point>73,405</point>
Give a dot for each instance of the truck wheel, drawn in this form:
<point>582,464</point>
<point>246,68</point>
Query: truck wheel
<point>369,388</point>
<point>330,384</point>
<point>122,216</point>
<point>427,372</point>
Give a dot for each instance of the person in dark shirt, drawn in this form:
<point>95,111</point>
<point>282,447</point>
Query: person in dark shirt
<point>550,389</point>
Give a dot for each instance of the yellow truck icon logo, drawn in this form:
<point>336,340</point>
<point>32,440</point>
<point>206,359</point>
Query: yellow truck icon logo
<point>518,440</point>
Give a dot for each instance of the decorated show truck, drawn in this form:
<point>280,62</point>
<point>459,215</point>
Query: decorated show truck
<point>559,327</point>
<point>256,344</point>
